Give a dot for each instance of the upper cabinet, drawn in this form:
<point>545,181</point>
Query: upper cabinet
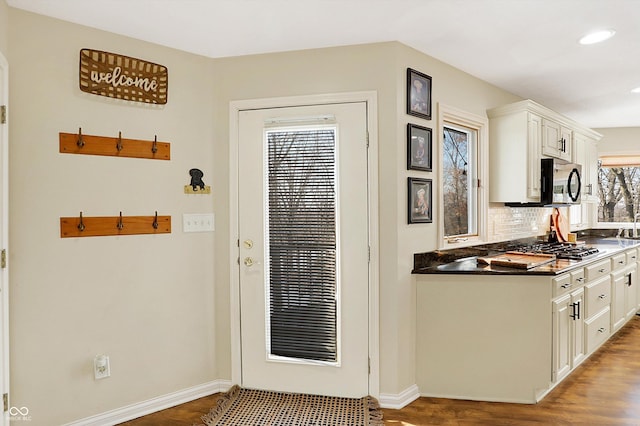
<point>520,135</point>
<point>557,140</point>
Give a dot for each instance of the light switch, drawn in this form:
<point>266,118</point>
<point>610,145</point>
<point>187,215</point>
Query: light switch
<point>198,222</point>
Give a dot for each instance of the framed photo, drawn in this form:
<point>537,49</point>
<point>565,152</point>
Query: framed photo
<point>418,148</point>
<point>420,196</point>
<point>418,94</point>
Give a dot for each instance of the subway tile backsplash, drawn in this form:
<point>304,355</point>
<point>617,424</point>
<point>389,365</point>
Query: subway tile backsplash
<point>507,223</point>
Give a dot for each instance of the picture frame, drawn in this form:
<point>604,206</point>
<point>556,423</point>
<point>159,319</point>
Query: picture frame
<point>420,197</point>
<point>418,94</point>
<point>419,151</point>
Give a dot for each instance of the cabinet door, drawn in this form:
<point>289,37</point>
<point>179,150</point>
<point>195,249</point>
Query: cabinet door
<point>556,140</point>
<point>631,294</point>
<point>618,308</point>
<point>561,337</point>
<point>586,153</point>
<point>577,311</point>
<point>534,126</point>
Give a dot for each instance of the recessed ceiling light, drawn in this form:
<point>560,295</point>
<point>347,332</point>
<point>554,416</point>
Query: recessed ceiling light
<point>636,90</point>
<point>597,36</point>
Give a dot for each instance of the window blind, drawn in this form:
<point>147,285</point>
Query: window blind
<point>302,243</point>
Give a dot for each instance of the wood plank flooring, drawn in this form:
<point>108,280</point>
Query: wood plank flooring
<point>604,390</point>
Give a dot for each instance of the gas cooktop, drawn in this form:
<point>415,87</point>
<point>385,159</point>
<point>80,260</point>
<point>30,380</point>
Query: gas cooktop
<point>560,250</point>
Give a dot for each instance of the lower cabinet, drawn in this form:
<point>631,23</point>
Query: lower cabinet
<point>568,333</point>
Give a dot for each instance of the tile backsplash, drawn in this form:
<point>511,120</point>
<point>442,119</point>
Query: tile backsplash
<point>507,223</point>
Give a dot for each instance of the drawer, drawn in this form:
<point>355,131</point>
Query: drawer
<point>597,295</point>
<point>597,330</point>
<point>597,270</point>
<point>577,278</point>
<point>618,261</point>
<point>632,256</point>
<point>561,285</point>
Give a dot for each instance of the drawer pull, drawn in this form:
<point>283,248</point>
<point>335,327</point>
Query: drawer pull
<point>602,296</point>
<point>567,285</point>
<point>601,270</point>
<point>581,279</point>
<point>620,262</point>
<point>602,330</point>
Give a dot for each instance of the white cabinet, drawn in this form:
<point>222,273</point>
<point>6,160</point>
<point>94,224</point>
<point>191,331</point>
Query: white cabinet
<point>586,154</point>
<point>557,140</point>
<point>568,333</point>
<point>624,303</point>
<point>520,135</point>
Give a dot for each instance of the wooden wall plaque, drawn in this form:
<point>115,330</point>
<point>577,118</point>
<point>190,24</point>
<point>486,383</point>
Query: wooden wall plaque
<point>122,77</point>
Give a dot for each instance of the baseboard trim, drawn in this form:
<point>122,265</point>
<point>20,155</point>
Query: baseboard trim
<point>162,402</point>
<point>401,400</point>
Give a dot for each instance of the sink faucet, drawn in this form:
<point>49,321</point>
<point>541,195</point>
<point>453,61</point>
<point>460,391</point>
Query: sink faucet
<point>635,225</point>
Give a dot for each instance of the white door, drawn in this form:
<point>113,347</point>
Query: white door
<point>303,244</point>
<point>4,240</point>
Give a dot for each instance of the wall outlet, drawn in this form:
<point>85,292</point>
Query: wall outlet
<point>198,222</point>
<point>101,367</point>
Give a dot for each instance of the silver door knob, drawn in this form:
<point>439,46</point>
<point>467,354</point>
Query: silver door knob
<point>248,261</point>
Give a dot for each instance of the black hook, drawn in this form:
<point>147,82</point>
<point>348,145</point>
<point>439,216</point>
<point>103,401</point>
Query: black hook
<point>120,223</point>
<point>154,146</point>
<point>155,221</point>
<point>80,141</point>
<point>81,224</point>
<point>119,144</point>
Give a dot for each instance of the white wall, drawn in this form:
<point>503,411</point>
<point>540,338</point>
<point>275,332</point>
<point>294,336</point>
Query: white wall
<point>4,28</point>
<point>146,301</point>
<point>619,140</point>
<point>380,67</point>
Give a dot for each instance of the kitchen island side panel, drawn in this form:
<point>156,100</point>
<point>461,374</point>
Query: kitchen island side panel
<point>484,337</point>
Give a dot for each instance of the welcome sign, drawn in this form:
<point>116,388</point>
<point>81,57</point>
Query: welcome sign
<point>122,77</point>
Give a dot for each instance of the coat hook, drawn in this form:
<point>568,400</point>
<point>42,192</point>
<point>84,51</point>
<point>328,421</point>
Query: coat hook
<point>119,144</point>
<point>80,141</point>
<point>81,224</point>
<point>154,146</point>
<point>120,223</point>
<point>155,221</point>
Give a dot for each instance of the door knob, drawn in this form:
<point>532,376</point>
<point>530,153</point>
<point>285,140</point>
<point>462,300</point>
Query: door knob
<point>248,244</point>
<point>248,261</point>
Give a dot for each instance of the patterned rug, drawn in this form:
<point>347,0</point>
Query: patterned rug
<point>250,407</point>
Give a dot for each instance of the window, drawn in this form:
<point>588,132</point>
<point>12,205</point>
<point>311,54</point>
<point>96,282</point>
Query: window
<point>459,181</point>
<point>302,243</point>
<point>618,189</point>
<point>463,171</point>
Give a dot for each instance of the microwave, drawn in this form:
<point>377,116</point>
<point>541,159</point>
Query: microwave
<point>560,182</point>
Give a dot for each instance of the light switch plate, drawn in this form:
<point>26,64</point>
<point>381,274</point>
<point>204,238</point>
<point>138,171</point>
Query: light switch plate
<point>198,222</point>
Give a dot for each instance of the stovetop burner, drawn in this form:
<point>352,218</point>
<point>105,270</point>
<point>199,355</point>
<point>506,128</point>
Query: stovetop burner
<point>561,250</point>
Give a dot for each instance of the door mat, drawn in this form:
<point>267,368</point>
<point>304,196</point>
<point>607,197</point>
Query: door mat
<point>241,406</point>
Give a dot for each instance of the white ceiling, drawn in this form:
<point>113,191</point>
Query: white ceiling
<point>528,47</point>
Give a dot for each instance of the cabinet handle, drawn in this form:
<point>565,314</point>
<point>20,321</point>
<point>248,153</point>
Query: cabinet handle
<point>620,262</point>
<point>567,285</point>
<point>575,307</point>
<point>602,296</point>
<point>601,270</point>
<point>581,279</point>
<point>602,329</point>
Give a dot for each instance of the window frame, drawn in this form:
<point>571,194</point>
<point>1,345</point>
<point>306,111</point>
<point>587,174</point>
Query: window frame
<point>608,161</point>
<point>449,116</point>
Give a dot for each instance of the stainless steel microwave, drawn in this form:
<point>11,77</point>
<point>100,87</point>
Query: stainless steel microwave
<point>560,182</point>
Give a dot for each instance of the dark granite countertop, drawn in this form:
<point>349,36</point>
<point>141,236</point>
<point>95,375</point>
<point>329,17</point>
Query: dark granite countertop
<point>464,260</point>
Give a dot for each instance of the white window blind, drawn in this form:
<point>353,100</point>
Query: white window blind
<point>302,243</point>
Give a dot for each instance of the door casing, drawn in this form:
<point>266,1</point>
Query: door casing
<point>370,97</point>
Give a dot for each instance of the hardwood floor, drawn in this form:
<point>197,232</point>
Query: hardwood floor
<point>604,390</point>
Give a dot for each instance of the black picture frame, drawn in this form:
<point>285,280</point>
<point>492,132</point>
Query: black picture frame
<point>419,148</point>
<point>418,94</point>
<point>420,196</point>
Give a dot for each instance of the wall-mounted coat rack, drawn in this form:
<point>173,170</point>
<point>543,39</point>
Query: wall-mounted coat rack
<point>77,143</point>
<point>99,226</point>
